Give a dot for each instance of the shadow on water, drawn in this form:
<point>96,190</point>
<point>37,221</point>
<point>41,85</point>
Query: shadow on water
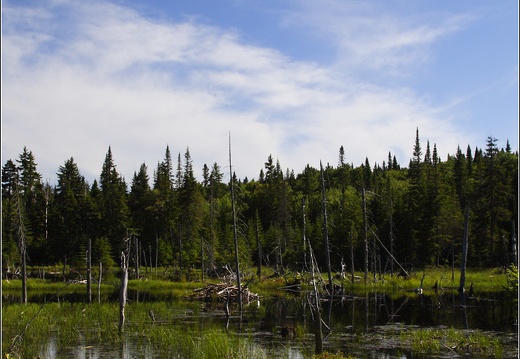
<point>366,326</point>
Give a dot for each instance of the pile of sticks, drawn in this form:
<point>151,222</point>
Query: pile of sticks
<point>222,292</point>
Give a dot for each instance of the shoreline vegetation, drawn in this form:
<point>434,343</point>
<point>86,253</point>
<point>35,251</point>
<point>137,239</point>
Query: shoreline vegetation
<point>79,323</point>
<point>168,279</point>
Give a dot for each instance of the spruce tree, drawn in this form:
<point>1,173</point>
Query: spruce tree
<point>114,210</point>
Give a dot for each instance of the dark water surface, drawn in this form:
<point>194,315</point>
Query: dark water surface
<point>365,326</point>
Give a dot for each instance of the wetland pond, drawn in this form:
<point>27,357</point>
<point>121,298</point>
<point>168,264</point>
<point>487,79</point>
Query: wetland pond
<point>374,325</point>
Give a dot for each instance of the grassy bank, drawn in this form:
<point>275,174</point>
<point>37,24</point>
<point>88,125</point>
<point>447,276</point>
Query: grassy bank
<point>482,280</point>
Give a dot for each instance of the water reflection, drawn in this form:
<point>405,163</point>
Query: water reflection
<point>283,324</point>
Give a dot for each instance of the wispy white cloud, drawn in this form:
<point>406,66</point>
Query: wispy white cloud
<point>369,36</point>
<point>83,76</point>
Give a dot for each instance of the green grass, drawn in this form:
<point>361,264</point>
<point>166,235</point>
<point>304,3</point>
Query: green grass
<point>483,280</point>
<point>91,325</point>
<point>435,341</point>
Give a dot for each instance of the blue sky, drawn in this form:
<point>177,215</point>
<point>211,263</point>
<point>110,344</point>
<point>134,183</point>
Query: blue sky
<point>296,79</point>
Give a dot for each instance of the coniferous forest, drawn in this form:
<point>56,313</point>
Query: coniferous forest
<point>414,212</point>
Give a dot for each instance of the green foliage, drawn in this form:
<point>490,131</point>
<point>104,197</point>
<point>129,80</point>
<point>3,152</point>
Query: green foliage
<point>512,282</point>
<point>414,214</point>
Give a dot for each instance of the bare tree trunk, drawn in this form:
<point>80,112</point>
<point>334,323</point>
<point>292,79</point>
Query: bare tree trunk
<point>202,258</point>
<point>24,275</point>
<point>452,262</point>
<point>235,234</point>
<point>464,251</point>
<point>365,234</point>
<point>136,259</point>
<point>513,243</point>
<point>318,335</point>
<point>259,248</point>
<point>351,257</point>
<point>22,240</point>
<point>64,268</point>
<point>304,235</point>
<point>391,236</point>
<point>156,254</point>
<point>99,283</point>
<point>325,229</point>
<point>124,286</point>
<point>151,264</point>
<point>89,270</point>
<point>143,253</point>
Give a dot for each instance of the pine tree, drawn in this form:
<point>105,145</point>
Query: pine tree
<point>10,252</point>
<point>31,190</point>
<point>493,204</point>
<point>142,209</point>
<point>114,210</point>
<point>190,218</point>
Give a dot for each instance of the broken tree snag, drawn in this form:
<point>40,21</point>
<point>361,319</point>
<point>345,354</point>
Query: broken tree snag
<point>124,286</point>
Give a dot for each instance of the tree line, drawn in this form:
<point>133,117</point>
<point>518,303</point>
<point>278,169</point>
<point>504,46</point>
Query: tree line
<point>413,214</point>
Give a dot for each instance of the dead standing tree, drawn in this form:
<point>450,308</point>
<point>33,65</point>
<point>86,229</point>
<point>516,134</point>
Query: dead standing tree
<point>89,270</point>
<point>464,251</point>
<point>325,229</point>
<point>314,302</point>
<point>124,285</point>
<point>235,234</point>
<point>22,239</point>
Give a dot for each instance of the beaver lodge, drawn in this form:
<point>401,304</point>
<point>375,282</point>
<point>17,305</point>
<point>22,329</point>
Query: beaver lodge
<point>222,292</point>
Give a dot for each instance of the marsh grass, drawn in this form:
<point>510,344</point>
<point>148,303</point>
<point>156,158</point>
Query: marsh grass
<point>435,341</point>
<point>90,325</point>
<point>72,324</point>
<point>483,280</point>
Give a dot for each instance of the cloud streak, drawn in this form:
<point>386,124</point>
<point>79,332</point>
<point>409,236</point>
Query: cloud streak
<point>81,77</point>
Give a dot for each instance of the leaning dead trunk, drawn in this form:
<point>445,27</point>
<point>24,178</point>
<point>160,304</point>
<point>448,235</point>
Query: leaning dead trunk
<point>315,308</point>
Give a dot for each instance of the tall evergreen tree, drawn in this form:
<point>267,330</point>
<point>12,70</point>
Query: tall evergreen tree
<point>142,209</point>
<point>73,215</point>
<point>114,211</point>
<point>190,218</point>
